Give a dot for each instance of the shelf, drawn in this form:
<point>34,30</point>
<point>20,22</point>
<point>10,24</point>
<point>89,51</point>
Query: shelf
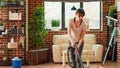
<point>14,55</point>
<point>17,34</point>
<point>14,5</point>
<point>12,34</point>
<point>15,48</point>
<point>3,63</point>
<point>15,21</point>
<point>11,49</point>
<point>3,49</point>
<point>11,22</point>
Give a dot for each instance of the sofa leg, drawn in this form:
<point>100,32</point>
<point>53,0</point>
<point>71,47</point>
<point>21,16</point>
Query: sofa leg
<point>64,58</point>
<point>88,62</point>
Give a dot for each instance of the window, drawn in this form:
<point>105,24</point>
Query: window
<point>63,12</point>
<point>68,13</point>
<point>93,13</point>
<point>52,11</point>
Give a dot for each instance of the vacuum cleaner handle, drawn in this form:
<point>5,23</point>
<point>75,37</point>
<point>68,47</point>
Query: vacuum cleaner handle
<point>68,56</point>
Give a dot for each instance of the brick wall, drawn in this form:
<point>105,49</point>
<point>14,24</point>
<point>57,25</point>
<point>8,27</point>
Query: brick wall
<point>101,35</point>
<point>31,5</point>
<point>118,45</point>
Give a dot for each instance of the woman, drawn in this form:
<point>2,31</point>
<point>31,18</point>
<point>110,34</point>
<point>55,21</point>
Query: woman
<point>76,31</point>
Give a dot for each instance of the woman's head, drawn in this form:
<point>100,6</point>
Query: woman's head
<point>80,13</point>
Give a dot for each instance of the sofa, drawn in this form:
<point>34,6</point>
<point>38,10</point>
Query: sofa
<point>60,43</point>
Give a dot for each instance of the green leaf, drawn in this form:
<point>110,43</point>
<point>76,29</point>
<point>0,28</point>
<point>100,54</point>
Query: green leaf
<point>37,27</point>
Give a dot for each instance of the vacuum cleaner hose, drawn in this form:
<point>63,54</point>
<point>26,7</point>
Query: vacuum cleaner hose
<point>68,56</point>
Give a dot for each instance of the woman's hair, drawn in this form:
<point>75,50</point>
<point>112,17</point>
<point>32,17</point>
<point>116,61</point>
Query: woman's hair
<point>80,11</point>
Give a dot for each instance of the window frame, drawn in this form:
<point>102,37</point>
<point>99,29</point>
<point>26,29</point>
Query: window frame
<point>100,20</point>
<point>81,6</point>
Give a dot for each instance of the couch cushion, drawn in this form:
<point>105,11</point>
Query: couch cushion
<point>63,46</point>
<point>87,46</point>
<point>90,39</point>
<point>91,52</point>
<point>63,39</point>
<point>60,39</point>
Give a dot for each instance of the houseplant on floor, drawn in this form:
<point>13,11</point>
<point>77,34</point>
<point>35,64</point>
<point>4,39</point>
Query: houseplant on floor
<point>38,33</point>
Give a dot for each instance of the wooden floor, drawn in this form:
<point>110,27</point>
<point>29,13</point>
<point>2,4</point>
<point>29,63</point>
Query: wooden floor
<point>108,64</point>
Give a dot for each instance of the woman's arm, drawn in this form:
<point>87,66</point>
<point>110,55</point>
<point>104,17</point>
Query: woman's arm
<point>82,35</point>
<point>81,39</point>
<point>69,34</point>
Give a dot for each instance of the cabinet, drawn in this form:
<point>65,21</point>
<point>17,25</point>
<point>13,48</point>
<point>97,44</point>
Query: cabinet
<point>13,35</point>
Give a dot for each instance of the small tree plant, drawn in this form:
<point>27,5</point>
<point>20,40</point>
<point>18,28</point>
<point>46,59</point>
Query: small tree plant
<point>37,28</point>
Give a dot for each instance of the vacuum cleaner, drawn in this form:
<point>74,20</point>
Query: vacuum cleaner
<point>76,56</point>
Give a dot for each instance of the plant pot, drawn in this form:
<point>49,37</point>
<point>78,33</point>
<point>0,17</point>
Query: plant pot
<point>13,4</point>
<point>1,27</point>
<point>2,4</point>
<point>35,57</point>
<point>20,46</point>
<point>55,28</point>
<point>21,3</point>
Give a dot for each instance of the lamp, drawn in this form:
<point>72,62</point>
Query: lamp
<point>73,8</point>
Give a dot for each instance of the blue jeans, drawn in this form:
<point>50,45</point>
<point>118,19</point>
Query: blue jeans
<point>77,62</point>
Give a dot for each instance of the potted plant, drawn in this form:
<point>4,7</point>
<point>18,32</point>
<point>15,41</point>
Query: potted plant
<point>37,29</point>
<point>112,13</point>
<point>16,2</point>
<point>2,3</point>
<point>38,33</point>
<point>111,24</point>
<point>55,24</point>
<point>9,2</point>
<point>20,44</point>
<point>1,26</point>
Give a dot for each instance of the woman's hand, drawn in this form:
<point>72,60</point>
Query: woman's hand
<point>73,45</point>
<point>78,47</point>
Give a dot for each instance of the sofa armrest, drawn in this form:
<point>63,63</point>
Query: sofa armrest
<point>98,48</point>
<point>56,53</point>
